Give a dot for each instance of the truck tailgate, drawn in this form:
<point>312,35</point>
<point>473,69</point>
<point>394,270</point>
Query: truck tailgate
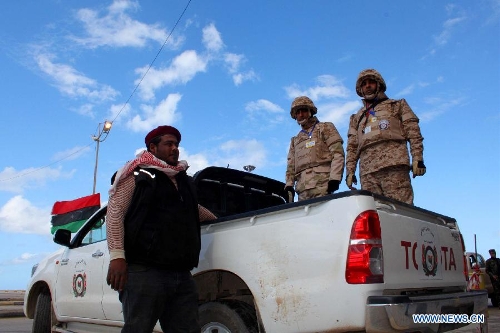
<point>424,250</point>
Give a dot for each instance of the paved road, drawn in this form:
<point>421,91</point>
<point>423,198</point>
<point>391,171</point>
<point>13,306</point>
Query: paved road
<point>20,324</point>
<point>23,325</point>
<point>15,325</point>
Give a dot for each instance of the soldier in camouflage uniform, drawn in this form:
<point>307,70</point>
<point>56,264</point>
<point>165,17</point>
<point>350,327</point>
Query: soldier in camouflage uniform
<point>378,136</point>
<point>315,161</point>
<point>493,270</point>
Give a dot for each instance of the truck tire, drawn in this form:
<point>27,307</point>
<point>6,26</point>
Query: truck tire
<point>227,317</point>
<point>44,317</point>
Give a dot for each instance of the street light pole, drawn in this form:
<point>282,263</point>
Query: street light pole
<point>106,127</point>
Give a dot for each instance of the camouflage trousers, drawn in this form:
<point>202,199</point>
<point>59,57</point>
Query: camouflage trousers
<point>393,182</point>
<point>313,185</point>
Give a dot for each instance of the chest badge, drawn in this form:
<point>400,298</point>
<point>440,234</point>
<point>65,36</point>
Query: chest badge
<point>383,124</point>
<point>310,144</point>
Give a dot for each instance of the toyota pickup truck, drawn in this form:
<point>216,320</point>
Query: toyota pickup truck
<point>347,262</point>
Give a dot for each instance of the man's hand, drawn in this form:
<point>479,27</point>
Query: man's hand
<point>418,168</point>
<point>333,185</point>
<point>291,193</point>
<point>117,274</point>
<point>351,179</point>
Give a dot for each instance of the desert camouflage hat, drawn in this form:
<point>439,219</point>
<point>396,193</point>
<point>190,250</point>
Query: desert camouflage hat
<point>302,102</point>
<point>370,74</point>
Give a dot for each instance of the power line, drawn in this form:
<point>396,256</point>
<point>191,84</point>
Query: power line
<point>123,107</point>
<point>46,166</point>
<point>152,62</point>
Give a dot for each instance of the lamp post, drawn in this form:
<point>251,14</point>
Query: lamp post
<point>102,128</point>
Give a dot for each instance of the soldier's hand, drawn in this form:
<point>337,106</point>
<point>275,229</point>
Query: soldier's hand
<point>117,274</point>
<point>351,179</point>
<point>333,185</point>
<point>291,193</point>
<point>418,168</point>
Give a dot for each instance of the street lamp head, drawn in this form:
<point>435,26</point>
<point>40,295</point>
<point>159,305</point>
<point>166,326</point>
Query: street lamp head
<point>107,126</point>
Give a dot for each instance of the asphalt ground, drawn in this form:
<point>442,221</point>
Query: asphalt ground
<point>11,305</point>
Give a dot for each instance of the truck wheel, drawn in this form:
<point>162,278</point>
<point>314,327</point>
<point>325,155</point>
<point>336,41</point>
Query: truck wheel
<point>44,317</point>
<point>227,317</point>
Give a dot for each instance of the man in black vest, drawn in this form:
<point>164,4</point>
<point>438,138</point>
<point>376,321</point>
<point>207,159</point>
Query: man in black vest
<point>153,234</point>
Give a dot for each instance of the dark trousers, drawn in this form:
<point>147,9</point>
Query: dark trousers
<point>153,294</point>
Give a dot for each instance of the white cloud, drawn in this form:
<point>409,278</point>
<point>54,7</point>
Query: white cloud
<point>265,105</point>
<point>17,181</point>
<point>438,106</point>
<point>117,29</point>
<point>447,31</point>
<point>18,215</point>
<point>72,83</point>
<point>326,87</point>
<point>24,258</point>
<point>233,61</point>
<point>86,110</point>
<point>212,38</point>
<point>196,162</point>
<point>264,109</point>
<point>182,70</point>
<point>237,153</point>
<point>449,25</point>
<point>239,78</point>
<point>163,113</point>
<point>119,110</point>
<point>338,113</point>
<point>406,91</point>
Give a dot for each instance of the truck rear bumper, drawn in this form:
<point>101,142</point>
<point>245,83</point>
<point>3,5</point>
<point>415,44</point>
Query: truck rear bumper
<point>395,313</point>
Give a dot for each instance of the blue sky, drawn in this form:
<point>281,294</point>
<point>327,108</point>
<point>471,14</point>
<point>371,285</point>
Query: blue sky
<point>225,78</point>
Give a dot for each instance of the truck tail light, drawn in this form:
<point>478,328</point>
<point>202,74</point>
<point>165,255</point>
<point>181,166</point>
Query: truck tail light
<point>365,259</point>
<point>466,270</point>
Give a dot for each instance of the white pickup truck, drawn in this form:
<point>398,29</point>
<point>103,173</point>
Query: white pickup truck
<point>346,262</point>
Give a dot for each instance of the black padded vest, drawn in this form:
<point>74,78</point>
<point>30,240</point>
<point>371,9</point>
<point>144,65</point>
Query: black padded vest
<point>162,226</point>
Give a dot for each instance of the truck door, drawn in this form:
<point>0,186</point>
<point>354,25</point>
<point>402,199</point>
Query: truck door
<point>79,287</point>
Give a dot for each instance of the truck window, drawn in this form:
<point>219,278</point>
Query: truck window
<point>97,233</point>
<point>481,261</point>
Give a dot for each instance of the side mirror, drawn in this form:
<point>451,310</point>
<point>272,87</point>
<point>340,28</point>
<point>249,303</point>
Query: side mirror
<point>62,237</point>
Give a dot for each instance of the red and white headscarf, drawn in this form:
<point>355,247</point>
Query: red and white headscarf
<point>147,160</point>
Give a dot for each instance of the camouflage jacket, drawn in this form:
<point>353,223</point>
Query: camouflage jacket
<point>493,266</point>
<point>318,146</point>
<point>378,136</point>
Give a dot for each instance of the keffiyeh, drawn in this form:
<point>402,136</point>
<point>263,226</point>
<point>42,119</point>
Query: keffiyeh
<point>147,160</point>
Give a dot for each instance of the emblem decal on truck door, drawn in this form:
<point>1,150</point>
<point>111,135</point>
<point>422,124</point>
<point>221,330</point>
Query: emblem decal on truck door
<point>80,279</point>
<point>79,284</point>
